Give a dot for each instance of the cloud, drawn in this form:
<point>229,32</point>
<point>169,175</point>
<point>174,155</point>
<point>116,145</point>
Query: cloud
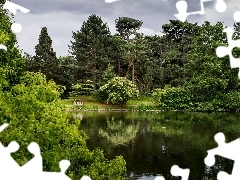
<point>62,17</point>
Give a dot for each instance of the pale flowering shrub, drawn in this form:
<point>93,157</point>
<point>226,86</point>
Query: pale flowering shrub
<point>118,90</point>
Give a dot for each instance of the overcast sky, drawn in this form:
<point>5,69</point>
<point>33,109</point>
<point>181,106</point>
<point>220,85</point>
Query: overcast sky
<point>61,17</point>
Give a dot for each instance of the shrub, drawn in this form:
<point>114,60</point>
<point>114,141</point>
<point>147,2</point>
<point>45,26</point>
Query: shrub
<point>221,102</point>
<point>118,90</point>
<point>82,88</point>
<point>175,98</point>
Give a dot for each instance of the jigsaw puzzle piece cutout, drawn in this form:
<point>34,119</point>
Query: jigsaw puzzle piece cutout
<point>7,163</point>
<point>223,176</point>
<point>14,7</point>
<point>177,171</point>
<point>111,1</point>
<point>182,6</point>
<point>228,150</point>
<point>16,27</point>
<point>64,164</point>
<point>236,16</point>
<point>4,126</point>
<point>222,51</point>
<point>221,6</point>
<point>88,178</point>
<point>35,164</point>
<point>159,178</point>
<point>3,47</point>
<point>182,10</point>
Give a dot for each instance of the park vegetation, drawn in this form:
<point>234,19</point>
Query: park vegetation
<point>30,103</point>
<point>179,70</point>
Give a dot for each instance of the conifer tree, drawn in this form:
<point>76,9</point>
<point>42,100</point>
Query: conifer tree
<point>45,58</point>
<point>90,47</point>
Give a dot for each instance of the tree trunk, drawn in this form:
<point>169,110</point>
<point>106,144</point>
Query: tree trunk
<point>119,67</point>
<point>133,71</point>
<point>94,77</point>
<point>94,72</point>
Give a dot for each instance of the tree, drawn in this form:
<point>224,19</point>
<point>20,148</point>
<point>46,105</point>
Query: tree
<point>127,26</point>
<point>138,56</point>
<point>118,90</point>
<point>11,61</point>
<point>158,46</point>
<point>117,54</point>
<point>45,58</point>
<point>67,71</point>
<point>212,80</point>
<point>90,47</point>
<point>178,38</point>
<point>35,114</point>
<point>108,74</point>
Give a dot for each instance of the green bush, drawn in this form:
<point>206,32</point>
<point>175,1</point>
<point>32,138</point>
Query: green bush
<point>175,98</point>
<point>35,114</point>
<point>82,88</point>
<point>221,102</point>
<point>118,90</point>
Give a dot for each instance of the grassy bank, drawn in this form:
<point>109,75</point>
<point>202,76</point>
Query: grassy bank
<point>90,104</point>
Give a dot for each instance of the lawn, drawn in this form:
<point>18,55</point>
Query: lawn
<point>89,101</point>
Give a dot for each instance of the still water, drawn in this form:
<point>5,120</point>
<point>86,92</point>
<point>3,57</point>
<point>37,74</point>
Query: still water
<point>151,143</point>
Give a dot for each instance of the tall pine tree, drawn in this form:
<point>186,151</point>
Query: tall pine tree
<point>45,58</point>
<point>90,47</point>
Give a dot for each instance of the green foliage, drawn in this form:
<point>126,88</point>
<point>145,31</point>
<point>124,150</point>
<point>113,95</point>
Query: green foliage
<point>82,88</point>
<point>11,60</point>
<point>117,91</point>
<point>144,107</point>
<point>45,58</point>
<point>175,98</point>
<point>127,26</point>
<point>222,102</point>
<point>108,74</point>
<point>66,66</point>
<point>90,47</point>
<point>35,115</point>
<point>117,54</point>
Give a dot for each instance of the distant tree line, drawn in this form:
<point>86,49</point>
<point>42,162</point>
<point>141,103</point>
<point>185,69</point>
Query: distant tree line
<point>183,57</point>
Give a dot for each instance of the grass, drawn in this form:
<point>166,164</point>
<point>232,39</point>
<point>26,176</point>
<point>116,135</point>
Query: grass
<point>89,103</point>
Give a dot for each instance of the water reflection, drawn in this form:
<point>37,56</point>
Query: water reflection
<point>119,132</point>
<point>152,142</point>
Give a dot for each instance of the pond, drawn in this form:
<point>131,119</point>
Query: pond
<point>152,142</point>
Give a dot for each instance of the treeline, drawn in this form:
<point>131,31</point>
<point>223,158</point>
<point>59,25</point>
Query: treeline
<point>183,58</point>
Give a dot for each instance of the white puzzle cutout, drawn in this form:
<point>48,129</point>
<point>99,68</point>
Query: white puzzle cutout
<point>228,150</point>
<point>33,168</point>
<point>111,1</point>
<point>182,8</point>
<point>177,171</point>
<point>16,27</point>
<point>222,51</point>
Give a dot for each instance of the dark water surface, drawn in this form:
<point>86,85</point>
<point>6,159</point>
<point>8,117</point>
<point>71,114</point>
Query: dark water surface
<point>151,143</point>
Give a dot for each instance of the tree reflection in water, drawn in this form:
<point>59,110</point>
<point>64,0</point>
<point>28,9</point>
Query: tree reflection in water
<point>119,132</point>
<point>152,142</point>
